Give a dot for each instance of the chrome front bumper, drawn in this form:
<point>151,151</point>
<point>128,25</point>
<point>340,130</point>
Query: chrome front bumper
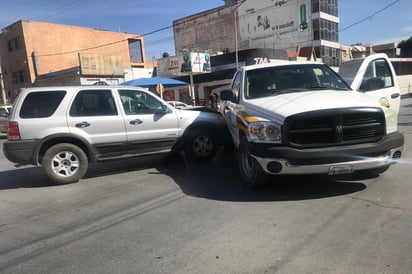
<point>284,167</point>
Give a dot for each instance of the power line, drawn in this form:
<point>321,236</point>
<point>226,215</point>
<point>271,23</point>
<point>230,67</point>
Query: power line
<point>48,10</point>
<point>106,44</point>
<point>137,36</point>
<point>370,17</point>
<point>61,9</point>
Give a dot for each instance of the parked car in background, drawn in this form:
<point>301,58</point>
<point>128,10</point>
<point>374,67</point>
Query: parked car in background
<point>178,104</point>
<point>65,128</point>
<point>4,115</point>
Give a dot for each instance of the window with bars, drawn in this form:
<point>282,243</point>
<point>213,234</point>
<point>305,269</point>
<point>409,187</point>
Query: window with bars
<point>14,44</point>
<point>326,6</point>
<point>20,76</point>
<point>325,30</point>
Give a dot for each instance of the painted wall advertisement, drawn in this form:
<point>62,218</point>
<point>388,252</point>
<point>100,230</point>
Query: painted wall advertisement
<point>184,64</point>
<point>100,64</point>
<point>275,23</point>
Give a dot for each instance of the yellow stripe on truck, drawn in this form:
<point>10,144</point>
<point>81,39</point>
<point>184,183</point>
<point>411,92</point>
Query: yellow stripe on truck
<point>243,120</point>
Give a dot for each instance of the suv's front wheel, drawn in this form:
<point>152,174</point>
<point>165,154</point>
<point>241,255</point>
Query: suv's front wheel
<point>201,145</point>
<point>65,163</point>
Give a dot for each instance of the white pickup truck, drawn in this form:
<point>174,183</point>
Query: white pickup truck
<point>303,118</point>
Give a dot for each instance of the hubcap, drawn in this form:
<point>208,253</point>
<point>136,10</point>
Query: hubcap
<point>202,145</point>
<point>65,163</point>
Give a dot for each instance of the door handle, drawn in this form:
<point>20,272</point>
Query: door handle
<point>395,95</point>
<point>136,122</point>
<point>82,124</point>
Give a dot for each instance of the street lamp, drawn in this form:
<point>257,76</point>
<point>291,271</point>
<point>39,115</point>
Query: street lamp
<point>236,42</point>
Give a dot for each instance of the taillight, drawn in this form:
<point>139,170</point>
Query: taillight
<point>13,132</point>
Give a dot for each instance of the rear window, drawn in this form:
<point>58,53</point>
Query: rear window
<point>41,104</point>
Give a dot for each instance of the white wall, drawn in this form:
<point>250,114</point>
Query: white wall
<point>277,24</point>
<point>136,73</point>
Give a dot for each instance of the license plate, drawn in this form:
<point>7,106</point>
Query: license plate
<point>343,169</point>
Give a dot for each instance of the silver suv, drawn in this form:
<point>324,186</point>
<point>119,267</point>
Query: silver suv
<point>66,128</point>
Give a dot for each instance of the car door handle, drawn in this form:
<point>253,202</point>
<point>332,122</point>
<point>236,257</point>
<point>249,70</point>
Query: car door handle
<point>82,124</point>
<point>136,122</point>
<point>395,95</point>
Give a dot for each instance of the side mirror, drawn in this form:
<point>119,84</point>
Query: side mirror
<point>226,95</point>
<point>163,110</point>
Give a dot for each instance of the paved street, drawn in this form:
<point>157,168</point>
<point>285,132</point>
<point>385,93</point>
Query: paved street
<point>148,216</point>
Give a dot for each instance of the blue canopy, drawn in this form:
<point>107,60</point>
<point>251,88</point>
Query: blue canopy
<point>152,82</point>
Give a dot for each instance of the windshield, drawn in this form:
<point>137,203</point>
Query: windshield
<point>291,78</point>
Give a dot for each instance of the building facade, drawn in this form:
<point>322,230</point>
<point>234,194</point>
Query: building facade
<point>33,53</point>
<point>280,24</point>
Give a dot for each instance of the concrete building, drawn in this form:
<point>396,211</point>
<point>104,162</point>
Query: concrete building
<point>248,32</point>
<point>38,53</point>
<point>280,25</point>
<point>242,30</point>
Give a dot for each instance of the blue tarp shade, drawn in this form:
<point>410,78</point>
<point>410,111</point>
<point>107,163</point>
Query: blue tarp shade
<point>152,82</point>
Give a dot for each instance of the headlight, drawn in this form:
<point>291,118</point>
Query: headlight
<point>265,132</point>
<point>391,121</point>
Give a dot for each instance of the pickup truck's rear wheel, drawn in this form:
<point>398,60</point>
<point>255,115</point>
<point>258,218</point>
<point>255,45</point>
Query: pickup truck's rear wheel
<point>65,163</point>
<point>251,173</point>
<point>201,145</point>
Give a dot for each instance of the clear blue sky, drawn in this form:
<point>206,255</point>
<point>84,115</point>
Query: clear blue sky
<point>368,21</point>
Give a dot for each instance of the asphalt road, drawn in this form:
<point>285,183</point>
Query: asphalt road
<point>153,217</point>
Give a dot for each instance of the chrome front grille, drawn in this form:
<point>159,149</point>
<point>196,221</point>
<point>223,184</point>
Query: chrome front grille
<point>335,127</point>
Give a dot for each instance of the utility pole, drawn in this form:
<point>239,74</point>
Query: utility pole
<point>3,92</point>
<point>235,15</point>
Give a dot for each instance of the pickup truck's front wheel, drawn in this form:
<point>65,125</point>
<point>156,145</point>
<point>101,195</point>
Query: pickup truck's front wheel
<point>201,145</point>
<point>251,173</point>
<point>65,163</point>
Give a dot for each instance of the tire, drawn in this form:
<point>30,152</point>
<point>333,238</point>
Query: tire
<point>251,173</point>
<point>65,163</point>
<point>201,145</point>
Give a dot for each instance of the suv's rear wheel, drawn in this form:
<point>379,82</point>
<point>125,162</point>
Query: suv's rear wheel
<point>201,145</point>
<point>251,173</point>
<point>65,163</point>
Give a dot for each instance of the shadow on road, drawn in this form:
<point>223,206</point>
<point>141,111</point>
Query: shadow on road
<point>215,180</point>
<point>30,177</point>
<point>218,180</point>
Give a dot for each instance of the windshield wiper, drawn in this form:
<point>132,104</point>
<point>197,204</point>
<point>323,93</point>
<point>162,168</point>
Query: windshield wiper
<point>319,86</point>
